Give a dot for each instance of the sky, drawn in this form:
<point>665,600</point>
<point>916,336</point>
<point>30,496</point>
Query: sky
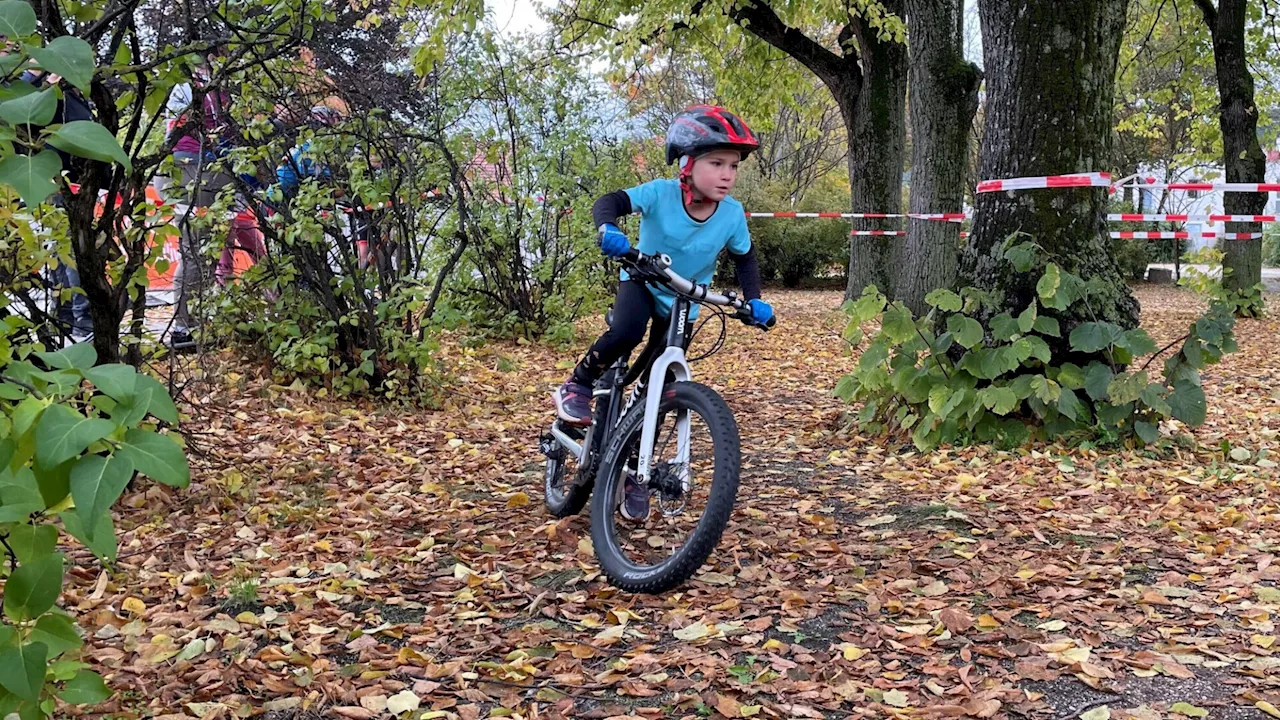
<point>517,16</point>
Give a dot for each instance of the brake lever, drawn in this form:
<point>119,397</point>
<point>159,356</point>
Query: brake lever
<point>744,314</point>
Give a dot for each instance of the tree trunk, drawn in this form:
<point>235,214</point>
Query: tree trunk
<point>1050,83</point>
<point>1242,155</point>
<point>944,99</point>
<point>91,262</point>
<point>875,121</point>
<point>870,86</point>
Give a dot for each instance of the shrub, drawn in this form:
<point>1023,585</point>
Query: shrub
<point>945,378</point>
<point>67,451</point>
<point>1132,256</point>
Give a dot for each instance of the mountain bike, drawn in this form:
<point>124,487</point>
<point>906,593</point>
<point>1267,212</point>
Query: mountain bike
<point>674,437</point>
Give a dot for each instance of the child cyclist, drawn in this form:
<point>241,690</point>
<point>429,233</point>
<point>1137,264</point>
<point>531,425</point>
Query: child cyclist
<point>691,219</point>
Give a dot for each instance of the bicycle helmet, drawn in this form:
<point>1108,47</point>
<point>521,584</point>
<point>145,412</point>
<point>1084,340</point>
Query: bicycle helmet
<point>701,129</point>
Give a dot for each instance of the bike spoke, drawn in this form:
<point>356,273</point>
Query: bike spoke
<point>679,488</point>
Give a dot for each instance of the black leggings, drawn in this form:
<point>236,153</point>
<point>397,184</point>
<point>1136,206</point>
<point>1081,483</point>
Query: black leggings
<point>633,307</point>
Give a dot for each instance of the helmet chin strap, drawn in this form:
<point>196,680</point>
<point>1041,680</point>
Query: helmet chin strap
<point>686,181</point>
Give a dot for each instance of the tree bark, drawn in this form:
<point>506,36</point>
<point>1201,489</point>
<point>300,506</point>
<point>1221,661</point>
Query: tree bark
<point>1050,83</point>
<point>870,87</point>
<point>876,123</point>
<point>1242,155</point>
<point>944,99</point>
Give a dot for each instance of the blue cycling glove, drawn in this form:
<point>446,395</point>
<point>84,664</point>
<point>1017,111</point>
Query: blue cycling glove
<point>613,242</point>
<point>761,311</point>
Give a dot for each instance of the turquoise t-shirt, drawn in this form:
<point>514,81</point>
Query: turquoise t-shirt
<point>694,247</point>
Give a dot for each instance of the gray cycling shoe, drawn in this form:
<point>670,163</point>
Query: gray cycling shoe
<point>573,403</point>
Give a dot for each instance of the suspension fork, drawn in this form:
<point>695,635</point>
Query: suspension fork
<point>672,361</point>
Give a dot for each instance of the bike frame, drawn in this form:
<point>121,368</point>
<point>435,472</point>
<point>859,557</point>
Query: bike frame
<point>672,361</point>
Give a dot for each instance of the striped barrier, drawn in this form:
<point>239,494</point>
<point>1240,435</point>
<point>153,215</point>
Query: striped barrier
<point>1179,235</point>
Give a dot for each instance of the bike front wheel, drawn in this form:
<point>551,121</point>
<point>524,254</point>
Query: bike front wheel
<point>694,469</point>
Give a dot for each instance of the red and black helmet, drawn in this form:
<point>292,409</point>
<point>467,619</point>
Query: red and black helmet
<point>701,129</point>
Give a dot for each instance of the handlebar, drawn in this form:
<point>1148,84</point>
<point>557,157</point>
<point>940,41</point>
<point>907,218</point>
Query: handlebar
<point>657,268</point>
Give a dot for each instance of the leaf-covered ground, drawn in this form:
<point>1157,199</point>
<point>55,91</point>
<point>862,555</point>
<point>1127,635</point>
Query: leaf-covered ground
<point>338,560</point>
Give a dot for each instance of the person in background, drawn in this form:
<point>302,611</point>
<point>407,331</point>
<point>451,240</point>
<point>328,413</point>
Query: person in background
<point>72,313</point>
<point>200,134</point>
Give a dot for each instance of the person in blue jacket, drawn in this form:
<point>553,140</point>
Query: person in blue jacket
<point>691,219</point>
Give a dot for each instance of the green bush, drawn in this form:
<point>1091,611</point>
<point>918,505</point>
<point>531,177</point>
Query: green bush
<point>964,382</point>
<point>1271,246</point>
<point>67,451</point>
<point>792,250</point>
<point>1132,256</point>
<point>1208,284</point>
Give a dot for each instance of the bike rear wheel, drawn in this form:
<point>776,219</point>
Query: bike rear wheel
<point>566,487</point>
<point>692,489</point>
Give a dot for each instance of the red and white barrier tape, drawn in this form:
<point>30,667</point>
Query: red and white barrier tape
<point>1210,187</point>
<point>946,217</point>
<point>1183,235</point>
<point>1128,217</point>
<point>1093,179</point>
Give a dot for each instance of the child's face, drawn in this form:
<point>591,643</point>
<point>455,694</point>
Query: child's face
<point>715,173</point>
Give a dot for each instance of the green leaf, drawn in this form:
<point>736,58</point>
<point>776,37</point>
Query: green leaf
<point>57,632</point>
<point>966,331</point>
<point>999,400</point>
<point>116,380</point>
<point>870,304</point>
<point>68,56</point>
<point>33,108</point>
<point>158,456</point>
<point>1069,404</point>
<point>88,139</point>
<point>22,669</point>
<point>938,397</point>
<point>1046,325</point>
<point>1153,395</point>
<point>944,300</point>
<point>17,19</point>
<point>876,353</point>
<point>131,409</point>
<point>897,324</point>
<point>31,175</point>
<point>64,433</point>
<point>1027,319</point>
<point>19,495</point>
<point>64,670</point>
<point>86,688</point>
<point>33,588</point>
<point>1097,378</point>
<point>1003,326</point>
<point>162,406</point>
<point>54,482</point>
<point>1126,388</point>
<point>1091,337</point>
<point>32,541</point>
<point>1146,431</point>
<point>845,390</point>
<point>96,483</point>
<point>1188,403</point>
<point>80,356</point>
<point>1048,284</point>
<point>1023,256</point>
<point>1045,389</point>
<point>1032,346</point>
<point>104,544</point>
<point>1138,342</point>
